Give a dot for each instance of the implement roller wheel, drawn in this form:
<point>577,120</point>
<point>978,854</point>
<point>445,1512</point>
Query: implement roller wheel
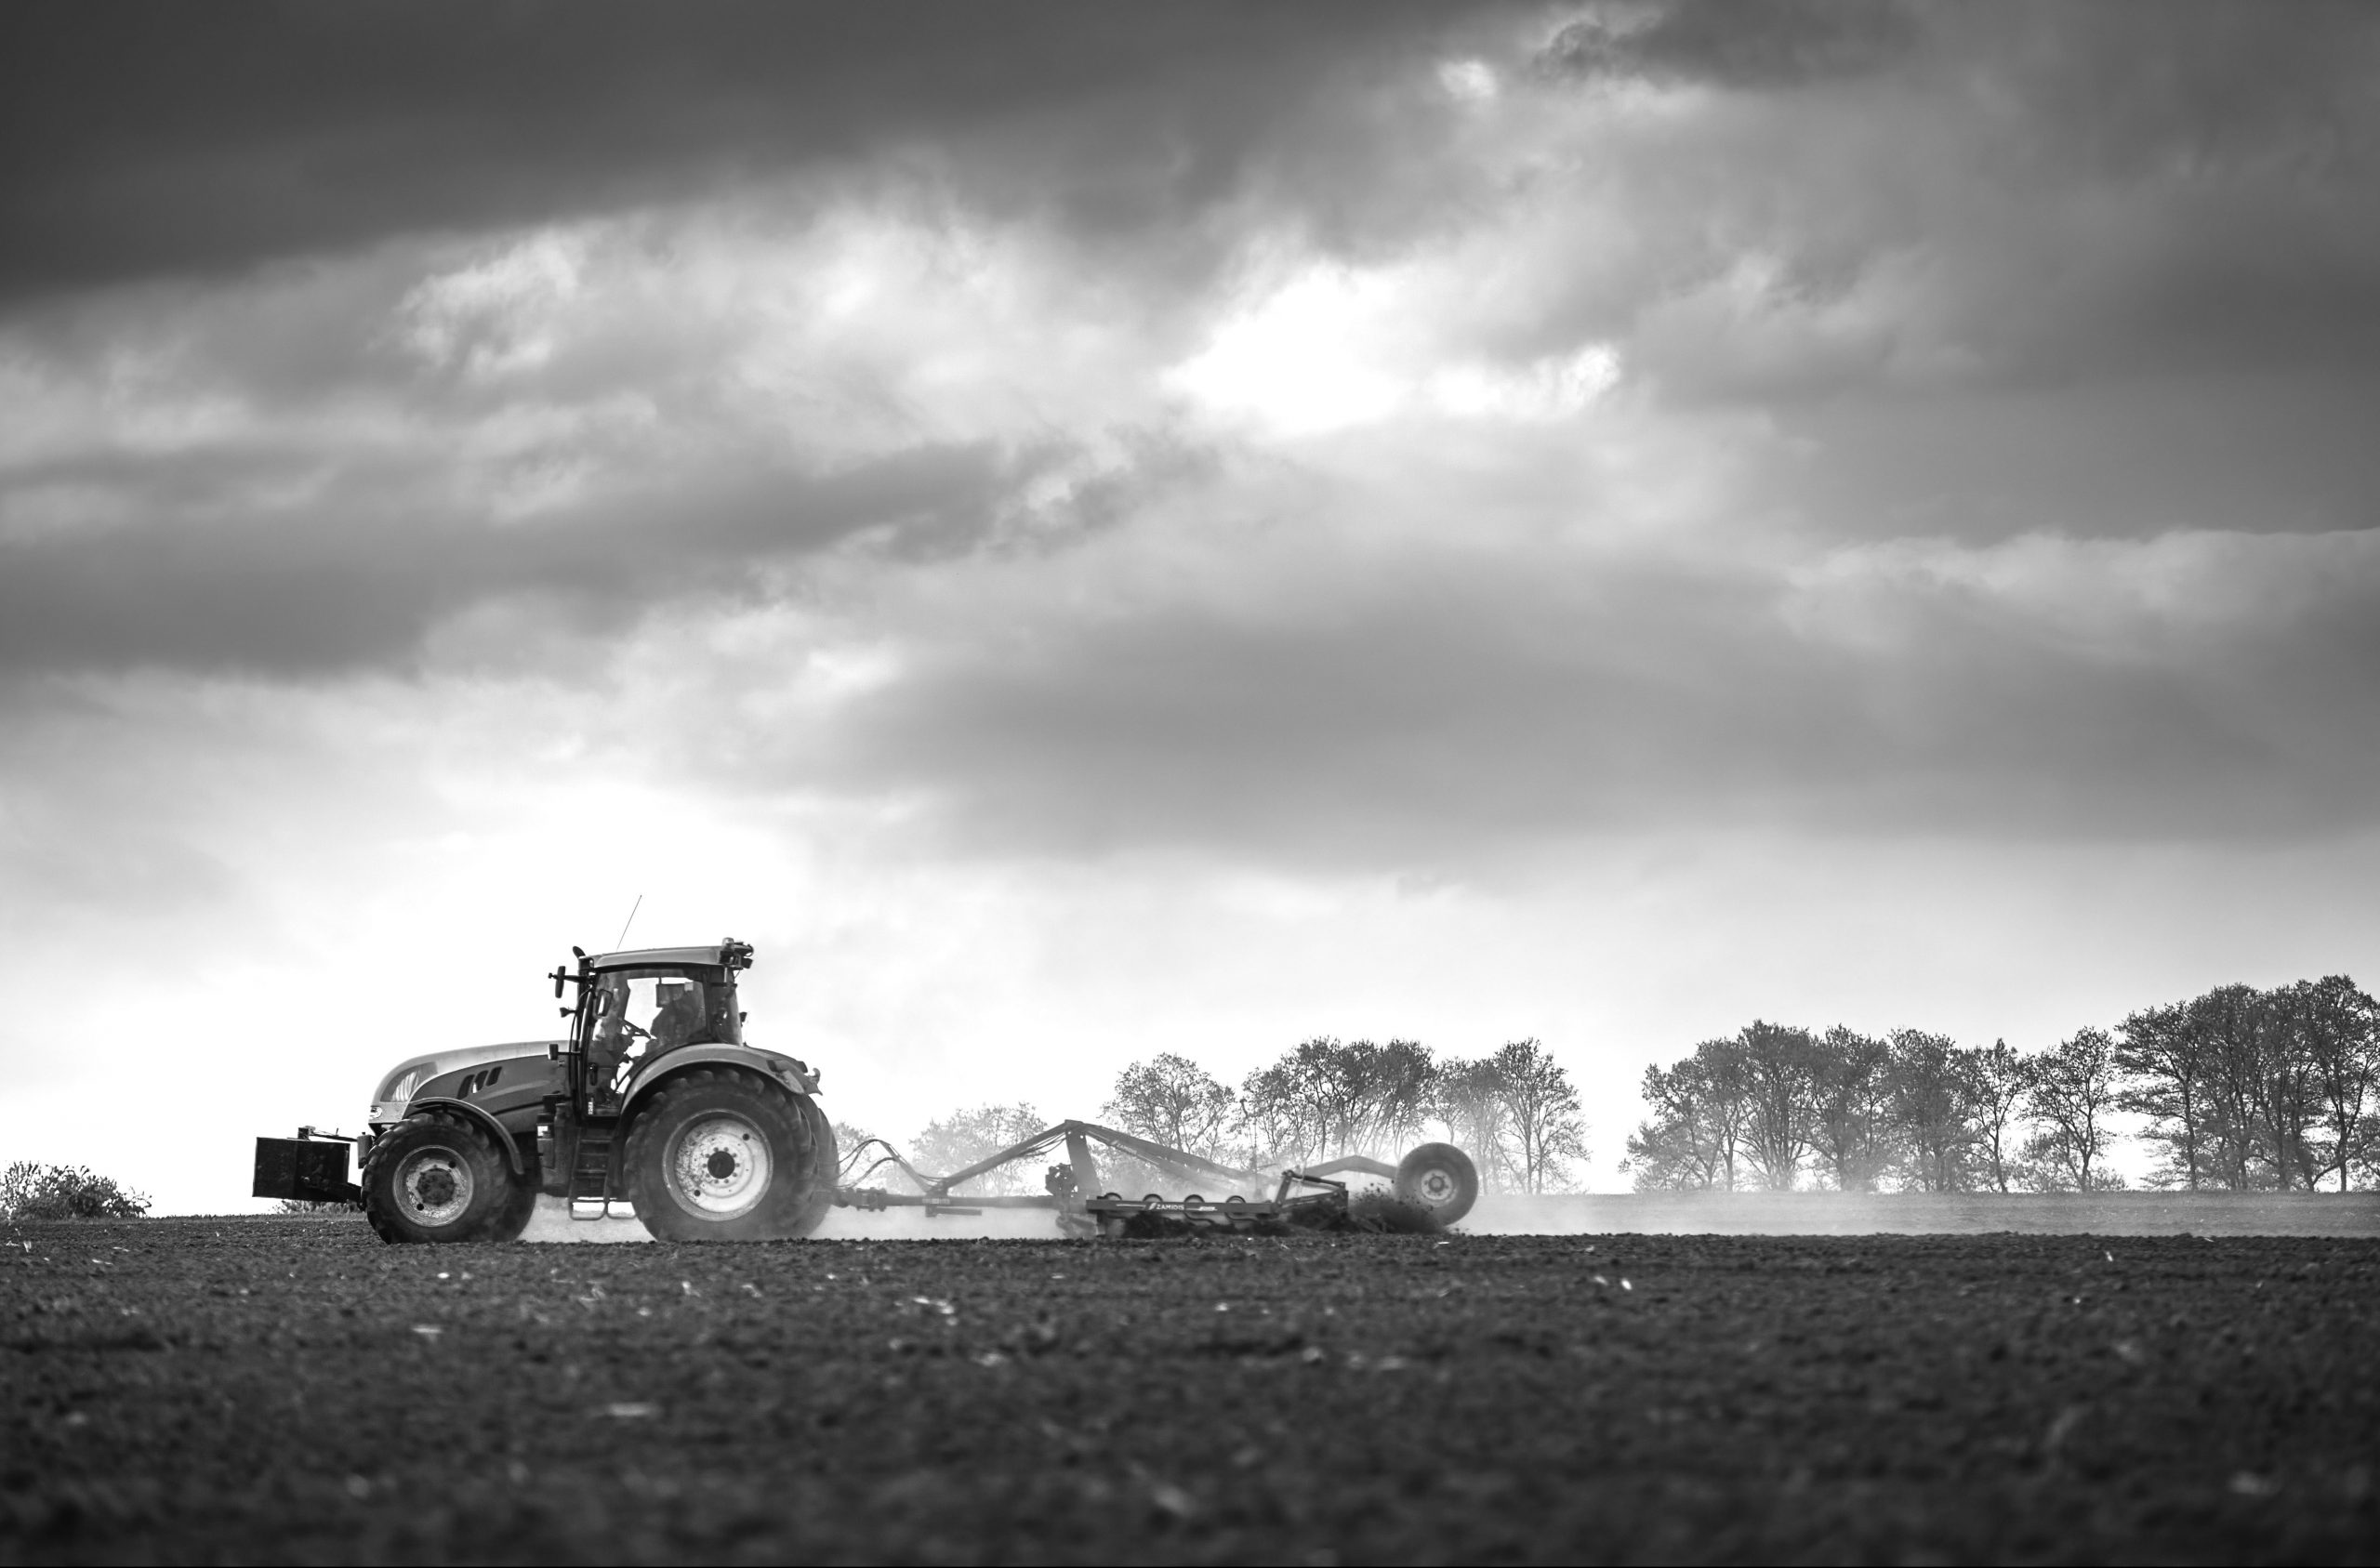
<point>1440,1179</point>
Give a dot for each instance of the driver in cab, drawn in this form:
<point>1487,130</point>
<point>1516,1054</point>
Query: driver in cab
<point>608,1051</point>
<point>681,1020</point>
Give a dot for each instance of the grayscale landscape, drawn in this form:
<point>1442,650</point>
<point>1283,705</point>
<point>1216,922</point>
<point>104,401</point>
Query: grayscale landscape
<point>1355,781</point>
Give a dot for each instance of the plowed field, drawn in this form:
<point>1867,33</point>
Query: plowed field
<point>291,1390</point>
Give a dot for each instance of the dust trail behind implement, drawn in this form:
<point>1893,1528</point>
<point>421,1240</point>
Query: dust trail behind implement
<point>552,1223</point>
<point>1700,1214</point>
<point>1957,1214</point>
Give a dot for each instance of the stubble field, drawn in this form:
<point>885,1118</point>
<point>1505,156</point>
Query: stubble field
<point>291,1390</point>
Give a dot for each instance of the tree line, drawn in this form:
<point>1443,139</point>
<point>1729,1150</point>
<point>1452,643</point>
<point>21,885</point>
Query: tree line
<point>1515,1111</point>
<point>2241,1088</point>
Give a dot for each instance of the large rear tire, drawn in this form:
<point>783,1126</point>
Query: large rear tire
<point>721,1155</point>
<point>826,1162</point>
<point>437,1178</point>
<point>1440,1179</point>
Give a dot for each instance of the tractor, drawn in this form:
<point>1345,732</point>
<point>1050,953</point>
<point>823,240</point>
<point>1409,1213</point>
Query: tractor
<point>653,1104</point>
<point>653,1101</point>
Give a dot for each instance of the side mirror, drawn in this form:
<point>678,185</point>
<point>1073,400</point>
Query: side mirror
<point>558,979</point>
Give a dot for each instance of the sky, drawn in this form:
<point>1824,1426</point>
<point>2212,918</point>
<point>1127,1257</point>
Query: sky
<point>1083,531</point>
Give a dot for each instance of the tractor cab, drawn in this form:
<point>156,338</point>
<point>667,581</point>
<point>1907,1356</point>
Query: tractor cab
<point>637,1007</point>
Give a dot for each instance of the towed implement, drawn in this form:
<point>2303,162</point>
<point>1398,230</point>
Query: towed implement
<point>654,1104</point>
<point>1437,1180</point>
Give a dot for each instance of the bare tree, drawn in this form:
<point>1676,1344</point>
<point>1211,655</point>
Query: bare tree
<point>1541,1108</point>
<point>2070,1089</point>
<point>2288,1093</point>
<point>1276,1120</point>
<point>1469,1102</point>
<point>1933,1109</point>
<point>963,1137</point>
<point>1403,1076</point>
<point>1850,1109</point>
<point>1779,1064</point>
<point>2249,1088</point>
<point>1729,1086</point>
<point>1171,1100</point>
<point>2343,1040</point>
<point>1325,1097</point>
<point>2228,1022</point>
<point>1999,1085</point>
<point>2165,1064</point>
<point>1688,1142</point>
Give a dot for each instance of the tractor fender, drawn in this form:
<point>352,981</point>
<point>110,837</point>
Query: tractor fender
<point>768,1064</point>
<point>479,1113</point>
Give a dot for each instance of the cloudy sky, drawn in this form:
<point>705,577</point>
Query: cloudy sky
<point>1089,530</point>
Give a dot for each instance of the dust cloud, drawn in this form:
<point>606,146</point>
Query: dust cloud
<point>552,1222</point>
<point>1688,1214</point>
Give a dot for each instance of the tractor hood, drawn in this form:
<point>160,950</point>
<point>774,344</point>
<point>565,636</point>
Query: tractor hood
<point>404,1080</point>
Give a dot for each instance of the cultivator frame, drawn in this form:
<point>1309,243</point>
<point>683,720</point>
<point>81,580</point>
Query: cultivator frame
<point>1306,1196</point>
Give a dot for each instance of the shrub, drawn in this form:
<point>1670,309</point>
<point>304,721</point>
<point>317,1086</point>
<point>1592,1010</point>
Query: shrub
<point>37,1191</point>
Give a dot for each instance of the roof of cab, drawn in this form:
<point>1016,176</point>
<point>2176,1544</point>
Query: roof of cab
<point>656,958</point>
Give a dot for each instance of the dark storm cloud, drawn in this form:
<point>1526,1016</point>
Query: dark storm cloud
<point>1954,276</point>
<point>2263,454</point>
<point>2196,173</point>
<point>1776,44</point>
<point>361,576</point>
<point>1470,711</point>
<point>146,140</point>
<point>2060,193</point>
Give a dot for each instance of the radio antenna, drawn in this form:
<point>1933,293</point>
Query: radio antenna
<point>630,921</point>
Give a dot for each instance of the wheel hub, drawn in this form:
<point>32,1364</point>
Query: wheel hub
<point>1435,1187</point>
<point>437,1186</point>
<point>720,1166</point>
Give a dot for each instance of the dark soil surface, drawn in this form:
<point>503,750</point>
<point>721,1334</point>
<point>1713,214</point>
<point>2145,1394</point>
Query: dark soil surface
<point>291,1390</point>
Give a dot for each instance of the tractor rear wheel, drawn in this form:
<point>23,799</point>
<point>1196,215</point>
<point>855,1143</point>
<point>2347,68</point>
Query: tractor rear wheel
<point>720,1155</point>
<point>1440,1179</point>
<point>825,1161</point>
<point>437,1178</point>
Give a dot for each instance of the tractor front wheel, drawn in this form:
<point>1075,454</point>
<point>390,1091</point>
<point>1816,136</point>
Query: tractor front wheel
<point>720,1155</point>
<point>1439,1178</point>
<point>436,1178</point>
